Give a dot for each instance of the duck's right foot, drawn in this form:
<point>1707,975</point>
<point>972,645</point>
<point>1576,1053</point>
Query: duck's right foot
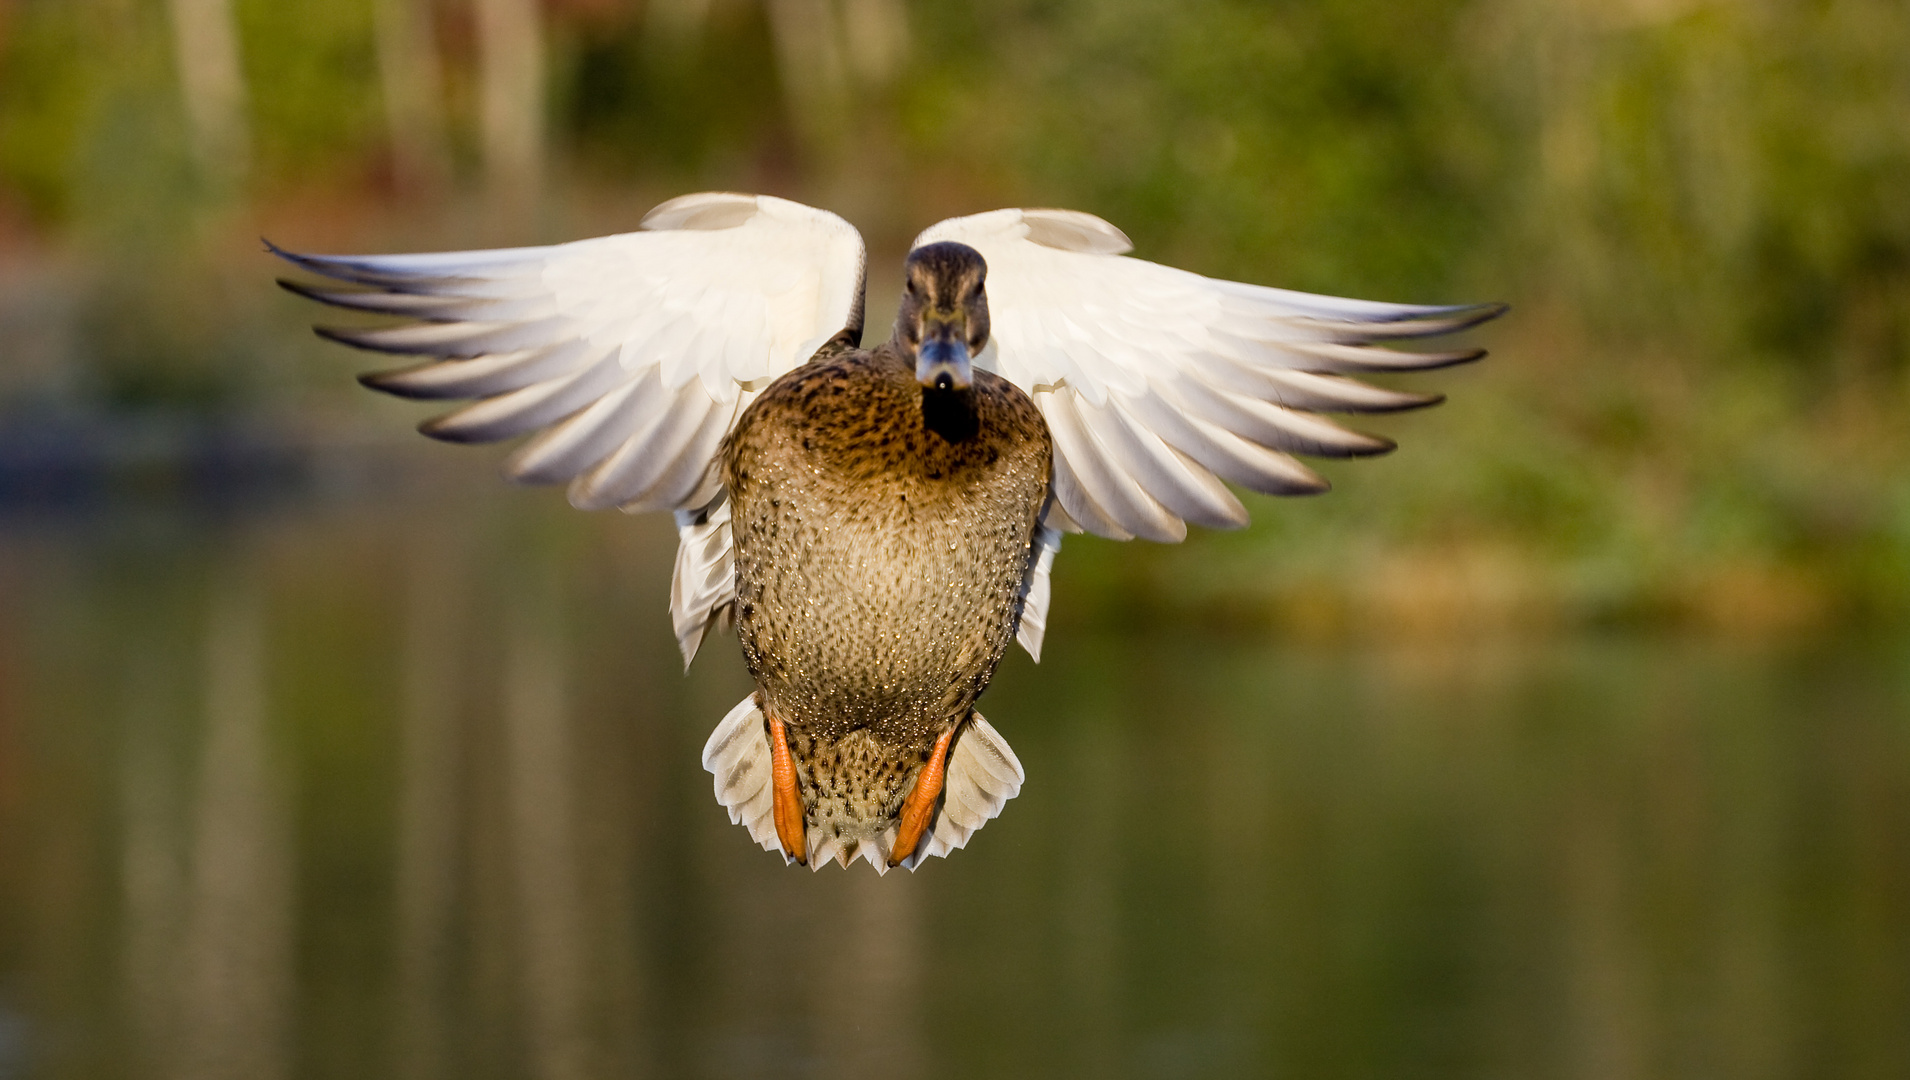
<point>919,807</point>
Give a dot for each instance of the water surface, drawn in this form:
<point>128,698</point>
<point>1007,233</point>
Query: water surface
<point>346,791</point>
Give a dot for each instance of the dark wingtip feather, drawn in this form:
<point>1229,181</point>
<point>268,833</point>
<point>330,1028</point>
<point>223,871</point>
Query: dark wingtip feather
<point>336,267</point>
<point>303,262</point>
<point>345,337</point>
<point>1312,483</point>
<point>1371,446</point>
<point>1381,446</point>
<point>392,381</point>
<point>1435,361</point>
<point>375,380</point>
<point>1474,314</point>
<point>1468,316</point>
<point>1417,401</point>
<point>353,300</point>
<point>381,339</point>
<point>301,290</point>
<point>441,429</point>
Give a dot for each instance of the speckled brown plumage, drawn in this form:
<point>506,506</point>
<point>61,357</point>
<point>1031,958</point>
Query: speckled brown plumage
<point>882,531</point>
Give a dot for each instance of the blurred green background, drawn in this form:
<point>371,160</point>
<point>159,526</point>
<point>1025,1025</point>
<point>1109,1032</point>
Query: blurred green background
<point>1697,213</point>
<point>1572,740</point>
<point>1696,209</point>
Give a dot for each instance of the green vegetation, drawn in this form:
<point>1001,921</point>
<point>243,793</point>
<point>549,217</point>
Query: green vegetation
<point>1695,412</point>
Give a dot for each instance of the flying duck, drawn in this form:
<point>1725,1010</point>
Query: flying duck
<point>878,524</point>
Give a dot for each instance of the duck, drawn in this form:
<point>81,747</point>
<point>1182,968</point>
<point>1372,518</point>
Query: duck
<point>878,524</point>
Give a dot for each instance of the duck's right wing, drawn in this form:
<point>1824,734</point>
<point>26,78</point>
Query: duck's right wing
<point>630,356</point>
<point>1159,384</point>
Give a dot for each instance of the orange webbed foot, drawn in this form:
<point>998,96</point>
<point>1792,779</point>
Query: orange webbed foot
<point>920,805</point>
<point>788,805</point>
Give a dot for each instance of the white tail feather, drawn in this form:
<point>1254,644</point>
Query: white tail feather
<point>737,755</point>
<point>983,774</point>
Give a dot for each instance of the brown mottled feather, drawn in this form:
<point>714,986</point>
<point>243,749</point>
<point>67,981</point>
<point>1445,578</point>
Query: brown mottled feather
<point>878,562</point>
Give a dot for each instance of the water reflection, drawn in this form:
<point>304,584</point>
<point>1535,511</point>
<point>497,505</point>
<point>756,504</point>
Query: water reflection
<point>234,977</point>
<point>543,849</point>
<point>361,792</point>
<point>431,748</point>
<point>151,858</point>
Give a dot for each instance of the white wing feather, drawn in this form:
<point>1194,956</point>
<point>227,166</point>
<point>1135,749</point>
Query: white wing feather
<point>1031,620</point>
<point>630,356</point>
<point>703,589</point>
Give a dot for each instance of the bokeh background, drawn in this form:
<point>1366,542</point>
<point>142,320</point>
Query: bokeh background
<point>1573,740</point>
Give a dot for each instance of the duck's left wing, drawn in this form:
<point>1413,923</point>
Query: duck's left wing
<point>1158,384</point>
<point>630,357</point>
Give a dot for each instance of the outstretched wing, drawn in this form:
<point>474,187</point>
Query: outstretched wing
<point>631,356</point>
<point>1158,384</point>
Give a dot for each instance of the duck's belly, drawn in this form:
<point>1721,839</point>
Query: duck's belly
<point>879,563</point>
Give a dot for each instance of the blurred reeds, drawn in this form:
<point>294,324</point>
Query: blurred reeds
<point>1695,414</point>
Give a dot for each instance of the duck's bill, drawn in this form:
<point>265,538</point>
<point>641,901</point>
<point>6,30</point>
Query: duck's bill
<point>979,775</point>
<point>942,363</point>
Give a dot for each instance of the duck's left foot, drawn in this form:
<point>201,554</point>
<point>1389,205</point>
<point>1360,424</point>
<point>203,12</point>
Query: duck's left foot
<point>788,804</point>
<point>919,807</point>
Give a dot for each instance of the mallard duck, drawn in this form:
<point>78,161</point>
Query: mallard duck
<point>878,524</point>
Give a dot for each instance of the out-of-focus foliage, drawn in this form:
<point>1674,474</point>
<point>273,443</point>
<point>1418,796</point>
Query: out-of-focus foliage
<point>1698,209</point>
<point>1332,145</point>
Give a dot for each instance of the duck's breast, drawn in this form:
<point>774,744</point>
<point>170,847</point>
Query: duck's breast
<point>879,550</point>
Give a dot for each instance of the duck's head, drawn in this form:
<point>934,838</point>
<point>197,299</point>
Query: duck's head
<point>943,322</point>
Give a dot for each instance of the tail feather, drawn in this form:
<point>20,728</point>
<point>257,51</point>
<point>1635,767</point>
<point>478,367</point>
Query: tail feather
<point>737,755</point>
<point>983,774</point>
